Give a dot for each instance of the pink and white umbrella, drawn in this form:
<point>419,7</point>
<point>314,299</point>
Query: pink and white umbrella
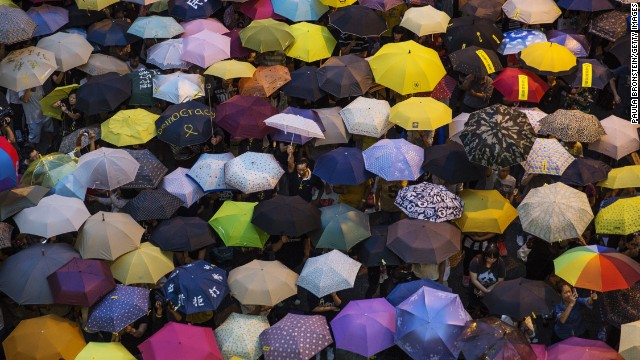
<point>195,26</point>
<point>206,48</point>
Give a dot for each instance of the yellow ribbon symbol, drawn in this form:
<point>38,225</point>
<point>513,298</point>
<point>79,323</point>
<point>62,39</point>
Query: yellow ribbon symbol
<point>587,74</point>
<point>486,61</point>
<point>515,16</point>
<point>544,165</point>
<point>189,129</point>
<point>479,36</point>
<point>523,87</point>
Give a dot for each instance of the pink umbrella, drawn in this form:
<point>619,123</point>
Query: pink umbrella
<point>195,26</point>
<point>259,10</point>
<point>206,48</point>
<point>541,351</point>
<point>575,348</point>
<point>180,341</point>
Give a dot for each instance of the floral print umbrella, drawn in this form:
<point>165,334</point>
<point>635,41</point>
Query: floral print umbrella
<point>548,156</point>
<point>296,337</point>
<point>428,201</point>
<point>208,171</point>
<point>239,336</point>
<point>572,125</point>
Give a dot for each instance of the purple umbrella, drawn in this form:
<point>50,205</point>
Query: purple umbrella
<point>236,48</point>
<point>586,5</point>
<point>394,159</point>
<point>244,116</point>
<point>296,337</point>
<point>380,5</point>
<point>365,327</point>
<point>575,348</point>
<point>403,291</point>
<point>280,135</point>
<point>81,282</point>
<point>205,48</point>
<point>577,44</point>
<point>119,308</point>
<point>492,338</point>
<point>48,18</point>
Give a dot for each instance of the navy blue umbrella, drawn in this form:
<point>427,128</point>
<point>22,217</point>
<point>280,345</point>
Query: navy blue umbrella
<point>402,291</point>
<point>374,251</point>
<point>103,93</point>
<point>196,287</point>
<point>193,9</point>
<point>450,163</point>
<point>182,234</point>
<point>304,84</point>
<point>584,171</point>
<point>119,308</point>
<point>185,124</point>
<point>342,166</point>
<point>110,32</point>
<point>586,5</point>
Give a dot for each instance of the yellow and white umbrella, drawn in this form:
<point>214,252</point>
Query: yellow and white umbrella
<point>532,12</point>
<point>27,68</point>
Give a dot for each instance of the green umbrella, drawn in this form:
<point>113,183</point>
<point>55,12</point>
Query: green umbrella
<point>48,170</point>
<point>142,87</point>
<point>233,223</point>
<point>342,227</point>
<point>59,93</point>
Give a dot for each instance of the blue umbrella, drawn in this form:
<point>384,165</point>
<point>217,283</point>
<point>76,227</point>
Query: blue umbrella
<point>517,40</point>
<point>69,186</point>
<point>395,159</point>
<point>342,166</point>
<point>119,308</point>
<point>110,32</point>
<point>193,9</point>
<point>300,10</point>
<point>208,171</point>
<point>577,44</point>
<point>196,287</point>
<point>584,171</point>
<point>428,324</point>
<point>374,251</point>
<point>402,291</point>
<point>586,5</point>
<point>48,18</point>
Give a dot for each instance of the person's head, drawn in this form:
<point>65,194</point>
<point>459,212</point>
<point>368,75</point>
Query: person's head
<point>565,290</point>
<point>503,173</point>
<point>30,153</point>
<point>398,32</point>
<point>72,98</point>
<point>491,254</point>
<point>302,165</point>
<point>134,60</point>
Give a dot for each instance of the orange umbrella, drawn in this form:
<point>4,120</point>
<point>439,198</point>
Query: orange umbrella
<point>265,81</point>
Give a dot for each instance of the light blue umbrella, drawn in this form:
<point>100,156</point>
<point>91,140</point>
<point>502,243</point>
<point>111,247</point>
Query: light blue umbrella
<point>295,10</point>
<point>179,184</point>
<point>517,40</point>
<point>208,171</point>
<point>394,159</point>
<point>69,186</point>
<point>167,55</point>
<point>327,273</point>
<point>48,18</point>
<point>155,27</point>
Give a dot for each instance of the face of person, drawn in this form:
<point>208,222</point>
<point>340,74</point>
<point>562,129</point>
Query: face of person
<point>301,169</point>
<point>397,37</point>
<point>135,61</point>
<point>33,155</point>
<point>72,99</point>
<point>503,173</point>
<point>566,293</point>
<point>491,259</point>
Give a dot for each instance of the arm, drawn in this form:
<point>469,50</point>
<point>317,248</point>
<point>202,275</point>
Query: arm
<point>137,333</point>
<point>494,285</point>
<point>275,247</point>
<point>9,133</point>
<point>467,82</point>
<point>92,141</point>
<point>291,165</point>
<point>476,283</point>
<point>442,267</point>
<point>307,248</point>
<point>26,96</point>
<point>614,91</point>
<point>565,314</point>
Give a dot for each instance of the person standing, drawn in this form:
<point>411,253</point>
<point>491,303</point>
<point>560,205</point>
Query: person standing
<point>36,121</point>
<point>301,180</point>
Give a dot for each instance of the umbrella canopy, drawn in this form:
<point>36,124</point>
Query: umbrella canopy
<point>48,18</point>
<point>179,184</point>
<point>584,171</point>
<point>345,76</point>
<point>445,88</point>
<point>312,42</point>
<point>582,349</point>
<point>611,25</point>
<point>547,58</point>
<point>266,35</point>
<point>153,204</point>
<point>450,163</point>
<point>103,93</point>
<point>8,164</point>
<point>341,166</point>
<point>155,27</point>
<point>195,26</point>
<point>119,308</point>
<point>231,69</point>
<point>405,290</point>
<point>423,242</point>
<point>342,227</point>
<point>252,172</point>
<point>548,156</point>
<point>91,5</point>
<point>591,73</point>
<point>110,32</point>
<point>394,159</point>
<point>104,351</point>
<point>167,55</point>
<point>374,251</point>
<point>577,44</point>
<point>425,20</point>
<point>26,68</point>
<point>338,3</point>
<point>175,340</point>
<point>304,84</point>
<point>622,177</point>
<point>265,81</point>
<point>518,40</point>
<point>292,125</point>
<point>233,223</point>
<point>106,168</point>
<point>259,10</point>
<point>365,116</point>
<point>54,215</point>
<point>590,6</point>
<point>620,217</point>
<point>149,173</point>
<point>243,116</point>
<point>497,136</point>
<point>185,124</point>
<point>34,264</point>
<point>288,215</point>
<point>178,87</point>
<point>239,336</point>
<point>468,30</point>
<point>129,127</point>
<point>81,282</point>
<point>145,265</point>
<point>237,50</point>
<point>621,50</point>
<point>15,25</point>
<point>420,113</point>
<point>335,131</point>
<point>196,287</point>
<point>100,64</point>
<point>541,12</point>
<point>428,201</point>
<point>281,135</point>
<point>521,297</point>
<point>297,11</point>
<point>429,322</point>
<point>296,337</point>
<point>191,10</point>
<point>489,10</point>
<point>48,170</point>
<point>534,115</point>
<point>208,171</point>
<point>327,273</point>
<point>485,211</point>
<point>520,85</point>
<point>457,125</point>
<point>477,61</point>
<point>14,200</point>
<point>494,339</point>
<point>107,236</point>
<point>629,347</point>
<point>358,20</point>
<point>44,337</point>
<point>206,48</point>
<point>182,234</point>
<point>57,94</point>
<point>572,125</point>
<point>262,283</point>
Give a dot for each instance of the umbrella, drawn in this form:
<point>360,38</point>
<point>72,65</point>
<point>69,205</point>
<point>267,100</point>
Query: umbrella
<point>103,93</point>
<point>81,282</point>
<point>457,125</point>
<point>300,11</point>
<point>425,20</point>
<point>8,164</point>
<point>99,64</point>
<point>584,171</point>
<point>5,235</point>
<point>381,5</point>
<point>296,337</point>
<point>420,113</point>
<point>577,44</point>
<point>489,10</point>
<point>142,87</point>
<point>327,273</point>
<point>445,88</point>
<point>358,20</point>
<point>374,251</point>
<point>150,172</point>
<point>555,212</point>
<point>621,138</point>
<point>231,69</point>
<point>57,94</point>
<point>548,156</point>
<point>167,55</point>
<point>621,50</point>
<point>106,168</point>
<point>312,42</point>
<point>179,184</point>
<point>540,12</point>
<point>265,81</point>
<point>365,116</point>
<point>477,61</point>
<point>497,136</point>
<point>294,125</point>
<point>69,186</point>
<point>286,215</point>
<point>547,58</point>
<point>104,351</point>
<point>91,5</point>
<point>622,177</point>
<point>266,35</point>
<point>206,48</point>
<point>629,348</point>
<point>252,172</point>
<point>44,337</point>
<point>233,223</point>
<point>33,265</point>
<point>485,211</point>
<point>155,27</point>
<point>341,166</point>
<point>243,116</point>
<point>14,200</point>
<point>582,349</point>
<point>620,217</point>
<point>365,327</point>
<point>26,68</point>
<point>238,336</point>
<point>342,227</point>
<point>429,322</point>
<point>153,204</point>
<point>182,234</point>
<point>145,265</point>
<point>304,84</point>
<point>191,9</point>
<point>493,339</point>
<point>262,283</point>
<point>421,68</point>
<point>129,127</point>
<point>178,87</point>
<point>107,236</point>
<point>48,170</point>
<point>423,242</point>
<point>195,26</point>
<point>534,115</point>
<point>185,124</point>
<point>335,131</point>
<point>520,85</point>
<point>405,290</point>
<point>15,25</point>
<point>175,340</point>
<point>338,3</point>
<point>518,40</point>
<point>431,202</point>
<point>572,125</point>
<point>394,159</point>
<point>48,18</point>
<point>196,287</point>
<point>590,6</point>
<point>110,32</point>
<point>450,163</point>
<point>345,76</point>
<point>208,171</point>
<point>119,308</point>
<point>468,30</point>
<point>521,297</point>
<point>54,215</point>
<point>281,135</point>
<point>611,25</point>
<point>259,10</point>
<point>591,73</point>
<point>621,306</point>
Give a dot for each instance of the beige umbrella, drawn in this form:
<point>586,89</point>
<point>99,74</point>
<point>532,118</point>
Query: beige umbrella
<point>26,68</point>
<point>71,50</point>
<point>425,20</point>
<point>621,138</point>
<point>335,132</point>
<point>107,235</point>
<point>145,265</point>
<point>262,283</point>
<point>99,64</point>
<point>532,12</point>
<point>630,340</point>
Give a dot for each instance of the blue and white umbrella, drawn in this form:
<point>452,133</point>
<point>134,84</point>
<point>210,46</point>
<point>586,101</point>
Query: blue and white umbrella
<point>119,308</point>
<point>180,185</point>
<point>167,55</point>
<point>327,273</point>
<point>394,159</point>
<point>155,27</point>
<point>69,186</point>
<point>252,172</point>
<point>517,40</point>
<point>48,18</point>
<point>196,287</point>
<point>208,171</point>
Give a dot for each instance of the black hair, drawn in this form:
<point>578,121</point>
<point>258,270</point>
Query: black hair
<point>302,161</point>
<point>491,251</point>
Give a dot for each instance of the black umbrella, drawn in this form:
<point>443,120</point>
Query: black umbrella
<point>475,60</point>
<point>288,215</point>
<point>358,20</point>
<point>521,297</point>
<point>485,9</point>
<point>193,9</point>
<point>68,143</point>
<point>374,251</point>
<point>468,30</point>
<point>621,49</point>
<point>304,84</point>
<point>450,163</point>
<point>591,73</point>
<point>492,338</point>
<point>345,76</point>
<point>154,204</point>
<point>621,306</point>
<point>81,17</point>
<point>185,124</point>
<point>111,32</point>
<point>583,171</point>
<point>182,234</point>
<point>150,172</point>
<point>103,93</point>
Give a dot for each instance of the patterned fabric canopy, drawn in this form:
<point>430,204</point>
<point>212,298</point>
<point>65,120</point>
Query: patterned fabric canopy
<point>572,125</point>
<point>548,156</point>
<point>153,205</point>
<point>119,308</point>
<point>15,25</point>
<point>296,337</point>
<point>428,201</point>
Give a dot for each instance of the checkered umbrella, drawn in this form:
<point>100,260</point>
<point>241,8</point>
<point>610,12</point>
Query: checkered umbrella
<point>548,156</point>
<point>15,25</point>
<point>572,125</point>
<point>153,204</point>
<point>182,186</point>
<point>253,172</point>
<point>119,308</point>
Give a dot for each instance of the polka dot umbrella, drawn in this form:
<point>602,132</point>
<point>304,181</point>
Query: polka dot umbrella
<point>119,308</point>
<point>296,337</point>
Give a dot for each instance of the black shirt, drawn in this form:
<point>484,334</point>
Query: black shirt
<point>304,187</point>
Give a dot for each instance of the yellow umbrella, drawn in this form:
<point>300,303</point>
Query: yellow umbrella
<point>620,218</point>
<point>425,20</point>
<point>485,211</point>
<point>145,265</point>
<point>407,67</point>
<point>630,340</point>
<point>104,351</point>
<point>547,58</point>
<point>622,177</point>
<point>94,4</point>
<point>338,3</point>
<point>231,69</point>
<point>44,337</point>
<point>312,42</point>
<point>59,93</point>
<point>129,127</point>
<point>420,113</point>
<point>266,35</point>
<point>9,3</point>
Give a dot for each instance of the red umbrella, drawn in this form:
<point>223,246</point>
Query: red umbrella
<point>520,85</point>
<point>180,341</point>
<point>8,165</point>
<point>244,116</point>
<point>444,89</point>
<point>81,282</point>
<point>259,10</point>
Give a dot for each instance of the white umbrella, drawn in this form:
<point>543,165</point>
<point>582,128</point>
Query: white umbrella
<point>335,132</point>
<point>99,64</point>
<point>54,215</point>
<point>534,115</point>
<point>369,117</point>
<point>324,274</point>
<point>621,138</point>
<point>26,68</point>
<point>425,20</point>
<point>206,48</point>
<point>262,283</point>
<point>295,124</point>
<point>178,87</point>
<point>71,50</point>
<point>180,185</point>
<point>532,12</point>
<point>167,55</point>
<point>252,172</point>
<point>457,125</point>
<point>155,27</point>
<point>208,171</point>
<point>106,168</point>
